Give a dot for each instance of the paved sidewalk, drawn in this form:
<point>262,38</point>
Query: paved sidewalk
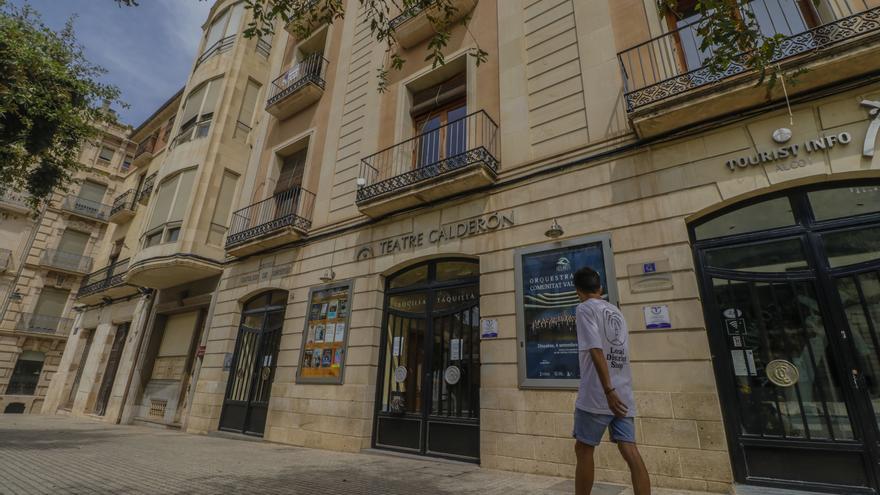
<point>60,455</point>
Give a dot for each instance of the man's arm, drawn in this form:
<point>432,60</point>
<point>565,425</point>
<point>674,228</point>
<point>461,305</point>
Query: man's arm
<point>614,403</point>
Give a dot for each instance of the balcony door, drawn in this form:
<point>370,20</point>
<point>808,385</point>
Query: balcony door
<point>90,198</point>
<point>287,188</point>
<point>791,286</point>
<point>70,249</point>
<point>26,374</point>
<point>47,313</point>
<point>438,114</point>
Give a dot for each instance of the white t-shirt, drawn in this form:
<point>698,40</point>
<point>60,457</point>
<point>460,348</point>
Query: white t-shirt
<point>600,325</point>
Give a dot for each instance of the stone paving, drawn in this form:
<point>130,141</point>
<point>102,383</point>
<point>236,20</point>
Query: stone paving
<point>61,455</point>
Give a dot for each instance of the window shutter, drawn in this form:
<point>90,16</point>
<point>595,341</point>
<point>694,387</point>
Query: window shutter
<point>291,171</point>
<point>436,96</point>
<point>73,242</point>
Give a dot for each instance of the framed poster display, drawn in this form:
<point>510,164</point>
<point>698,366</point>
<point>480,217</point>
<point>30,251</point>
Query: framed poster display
<point>545,307</point>
<point>325,334</point>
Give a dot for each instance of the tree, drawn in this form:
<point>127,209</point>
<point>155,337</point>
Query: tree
<point>49,103</point>
<point>301,15</point>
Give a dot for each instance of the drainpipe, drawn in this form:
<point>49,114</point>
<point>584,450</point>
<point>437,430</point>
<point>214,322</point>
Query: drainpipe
<point>193,383</point>
<point>30,244</point>
<point>148,320</point>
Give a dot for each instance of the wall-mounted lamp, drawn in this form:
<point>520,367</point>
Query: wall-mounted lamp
<point>361,182</point>
<point>328,275</point>
<point>16,296</point>
<point>107,300</point>
<point>554,231</point>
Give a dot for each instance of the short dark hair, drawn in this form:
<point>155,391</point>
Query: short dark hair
<point>587,280</point>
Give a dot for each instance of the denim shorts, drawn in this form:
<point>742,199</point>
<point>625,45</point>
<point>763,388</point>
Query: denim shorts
<point>589,428</point>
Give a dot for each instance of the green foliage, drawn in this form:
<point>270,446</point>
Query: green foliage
<point>303,15</point>
<point>730,32</point>
<point>49,103</point>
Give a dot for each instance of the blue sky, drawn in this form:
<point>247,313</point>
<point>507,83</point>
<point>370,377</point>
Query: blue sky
<point>147,50</point>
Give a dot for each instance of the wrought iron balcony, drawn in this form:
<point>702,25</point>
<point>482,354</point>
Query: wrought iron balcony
<point>663,68</point>
<point>285,217</point>
<point>144,151</point>
<point>107,281</point>
<point>147,188</point>
<point>86,208</point>
<point>298,87</point>
<point>14,201</point>
<point>413,26</point>
<point>67,262</point>
<point>459,156</point>
<point>123,207</point>
<point>44,324</point>
<point>220,46</point>
<point>5,259</point>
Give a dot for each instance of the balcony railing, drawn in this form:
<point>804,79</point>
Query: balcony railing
<point>193,130</point>
<point>410,12</point>
<point>45,324</point>
<point>217,48</point>
<point>70,262</point>
<point>109,276</point>
<point>674,63</point>
<point>146,146</point>
<point>5,259</point>
<point>147,188</point>
<point>16,200</point>
<point>86,207</point>
<point>467,141</point>
<point>310,70</point>
<point>291,208</point>
<point>124,202</point>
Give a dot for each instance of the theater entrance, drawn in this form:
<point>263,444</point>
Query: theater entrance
<point>791,291</point>
<point>429,370</point>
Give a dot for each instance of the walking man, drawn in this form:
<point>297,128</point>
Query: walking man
<point>605,397</point>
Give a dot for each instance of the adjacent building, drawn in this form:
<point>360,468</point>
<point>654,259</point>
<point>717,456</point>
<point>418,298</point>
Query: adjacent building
<point>44,256</point>
<point>327,265</point>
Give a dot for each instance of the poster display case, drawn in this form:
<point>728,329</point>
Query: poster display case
<point>325,334</point>
<point>545,307</point>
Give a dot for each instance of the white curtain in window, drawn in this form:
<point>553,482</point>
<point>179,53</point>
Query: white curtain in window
<point>234,19</point>
<point>218,25</point>
<point>181,198</point>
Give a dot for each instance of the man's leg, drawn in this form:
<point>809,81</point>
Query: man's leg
<point>583,474</point>
<point>640,480</point>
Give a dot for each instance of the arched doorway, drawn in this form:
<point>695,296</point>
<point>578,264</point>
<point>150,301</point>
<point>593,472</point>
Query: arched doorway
<point>428,394</point>
<point>253,364</point>
<point>791,291</point>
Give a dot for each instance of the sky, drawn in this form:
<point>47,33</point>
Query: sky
<point>147,50</point>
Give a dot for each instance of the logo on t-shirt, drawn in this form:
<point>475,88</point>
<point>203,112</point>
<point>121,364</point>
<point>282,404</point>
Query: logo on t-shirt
<point>614,324</point>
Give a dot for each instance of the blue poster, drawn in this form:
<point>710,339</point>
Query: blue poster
<point>548,305</point>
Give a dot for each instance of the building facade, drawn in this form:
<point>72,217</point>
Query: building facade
<point>396,271</point>
<point>45,254</point>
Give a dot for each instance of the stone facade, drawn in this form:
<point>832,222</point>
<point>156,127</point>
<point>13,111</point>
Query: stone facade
<point>567,152</point>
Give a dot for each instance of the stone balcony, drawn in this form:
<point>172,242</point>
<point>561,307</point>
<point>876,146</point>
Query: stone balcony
<point>297,88</point>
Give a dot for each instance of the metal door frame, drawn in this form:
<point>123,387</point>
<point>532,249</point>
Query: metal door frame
<point>429,288</point>
<point>837,328</point>
<point>254,373</point>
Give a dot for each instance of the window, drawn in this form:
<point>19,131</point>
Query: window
<point>225,24</point>
<point>249,103</point>
<point>126,163</point>
<point>26,374</point>
<point>171,202</point>
<point>198,111</point>
<point>47,313</point>
<point>73,242</point>
<point>437,114</point>
<point>92,191</point>
<point>166,132</point>
<point>221,211</point>
<point>106,154</point>
<point>292,168</point>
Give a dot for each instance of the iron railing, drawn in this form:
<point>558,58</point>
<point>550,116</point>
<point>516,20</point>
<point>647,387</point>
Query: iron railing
<point>86,207</point>
<point>62,260</point>
<point>109,276</point>
<point>125,201</point>
<point>675,62</point>
<point>147,188</point>
<point>46,324</point>
<point>290,208</point>
<point>410,12</point>
<point>469,140</point>
<point>194,130</point>
<point>217,48</point>
<point>5,259</point>
<point>146,146</point>
<point>14,198</point>
<point>310,70</point>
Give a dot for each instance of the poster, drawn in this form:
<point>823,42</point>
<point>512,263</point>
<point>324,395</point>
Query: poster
<point>546,302</point>
<point>325,334</point>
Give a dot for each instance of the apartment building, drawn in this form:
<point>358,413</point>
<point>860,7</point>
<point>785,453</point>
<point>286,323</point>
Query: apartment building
<point>44,256</point>
<point>396,271</point>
